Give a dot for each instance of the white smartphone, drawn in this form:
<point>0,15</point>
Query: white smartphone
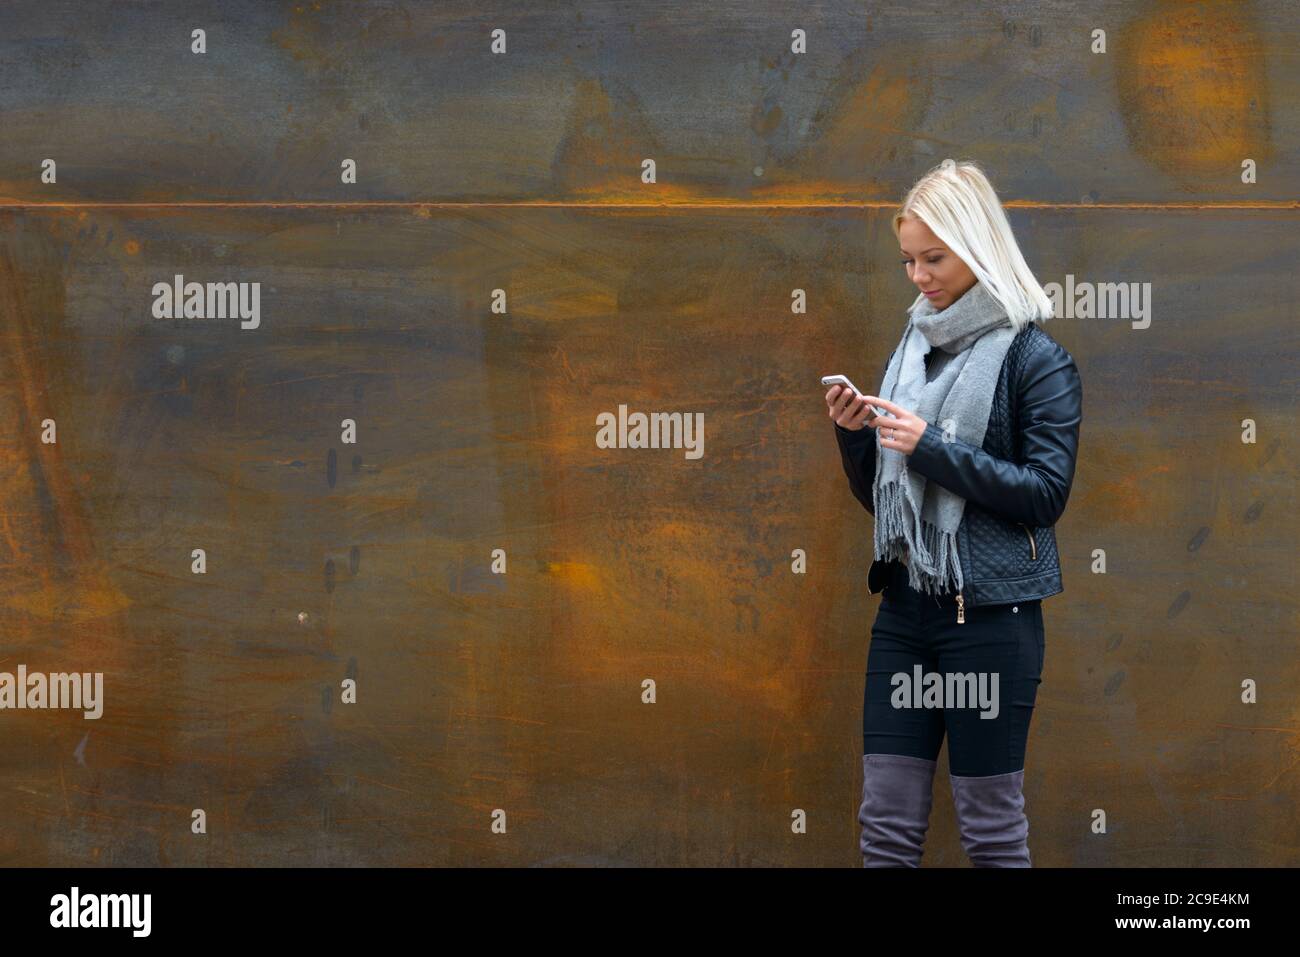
<point>843,380</point>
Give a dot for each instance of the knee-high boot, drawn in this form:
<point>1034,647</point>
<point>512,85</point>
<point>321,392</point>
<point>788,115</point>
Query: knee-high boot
<point>991,817</point>
<point>897,793</point>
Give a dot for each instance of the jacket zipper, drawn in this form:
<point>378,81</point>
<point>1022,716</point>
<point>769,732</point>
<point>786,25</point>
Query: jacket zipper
<point>1033,548</point>
<point>961,609</point>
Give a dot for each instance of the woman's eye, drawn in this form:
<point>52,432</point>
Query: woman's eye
<point>933,261</point>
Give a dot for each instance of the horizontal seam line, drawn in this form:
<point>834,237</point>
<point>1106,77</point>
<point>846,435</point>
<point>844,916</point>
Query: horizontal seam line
<point>433,204</point>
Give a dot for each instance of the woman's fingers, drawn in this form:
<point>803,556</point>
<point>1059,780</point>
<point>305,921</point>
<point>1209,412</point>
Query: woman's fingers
<point>852,412</point>
<point>892,430</point>
<point>859,411</point>
<point>897,428</point>
<point>895,410</point>
<point>844,407</point>
<point>837,398</point>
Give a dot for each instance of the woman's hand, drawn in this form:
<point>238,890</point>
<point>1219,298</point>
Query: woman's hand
<point>849,411</point>
<point>900,430</point>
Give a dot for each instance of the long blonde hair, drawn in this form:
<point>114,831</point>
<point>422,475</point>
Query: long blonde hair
<point>959,205</point>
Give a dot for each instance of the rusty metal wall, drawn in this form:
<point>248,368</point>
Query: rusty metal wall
<point>522,692</point>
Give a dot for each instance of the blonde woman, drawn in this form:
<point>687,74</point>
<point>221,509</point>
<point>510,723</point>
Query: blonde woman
<point>966,470</point>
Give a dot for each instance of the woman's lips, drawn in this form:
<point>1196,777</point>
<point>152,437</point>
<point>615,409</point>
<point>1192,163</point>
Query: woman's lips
<point>933,293</point>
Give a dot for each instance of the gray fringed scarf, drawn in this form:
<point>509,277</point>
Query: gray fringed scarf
<point>976,330</point>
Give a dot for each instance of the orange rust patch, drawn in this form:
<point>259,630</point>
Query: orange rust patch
<point>1193,88</point>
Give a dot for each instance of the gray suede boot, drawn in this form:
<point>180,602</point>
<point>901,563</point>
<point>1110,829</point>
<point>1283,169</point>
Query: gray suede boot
<point>991,818</point>
<point>897,792</point>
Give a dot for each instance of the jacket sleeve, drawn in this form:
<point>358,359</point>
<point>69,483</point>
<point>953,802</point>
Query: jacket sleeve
<point>1035,492</point>
<point>858,453</point>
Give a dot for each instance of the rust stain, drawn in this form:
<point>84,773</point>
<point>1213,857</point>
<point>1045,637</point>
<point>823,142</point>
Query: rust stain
<point>74,586</point>
<point>1127,497</point>
<point>578,574</point>
<point>1193,88</point>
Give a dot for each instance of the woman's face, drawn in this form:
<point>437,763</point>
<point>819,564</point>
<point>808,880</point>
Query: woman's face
<point>930,264</point>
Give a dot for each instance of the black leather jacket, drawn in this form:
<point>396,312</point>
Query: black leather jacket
<point>1015,486</point>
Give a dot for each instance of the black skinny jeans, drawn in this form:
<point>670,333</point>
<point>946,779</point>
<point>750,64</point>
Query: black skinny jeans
<point>913,629</point>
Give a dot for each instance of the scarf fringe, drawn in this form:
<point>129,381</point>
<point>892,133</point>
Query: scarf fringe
<point>893,511</point>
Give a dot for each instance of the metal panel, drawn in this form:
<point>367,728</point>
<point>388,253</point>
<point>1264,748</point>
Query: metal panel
<point>476,430</point>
